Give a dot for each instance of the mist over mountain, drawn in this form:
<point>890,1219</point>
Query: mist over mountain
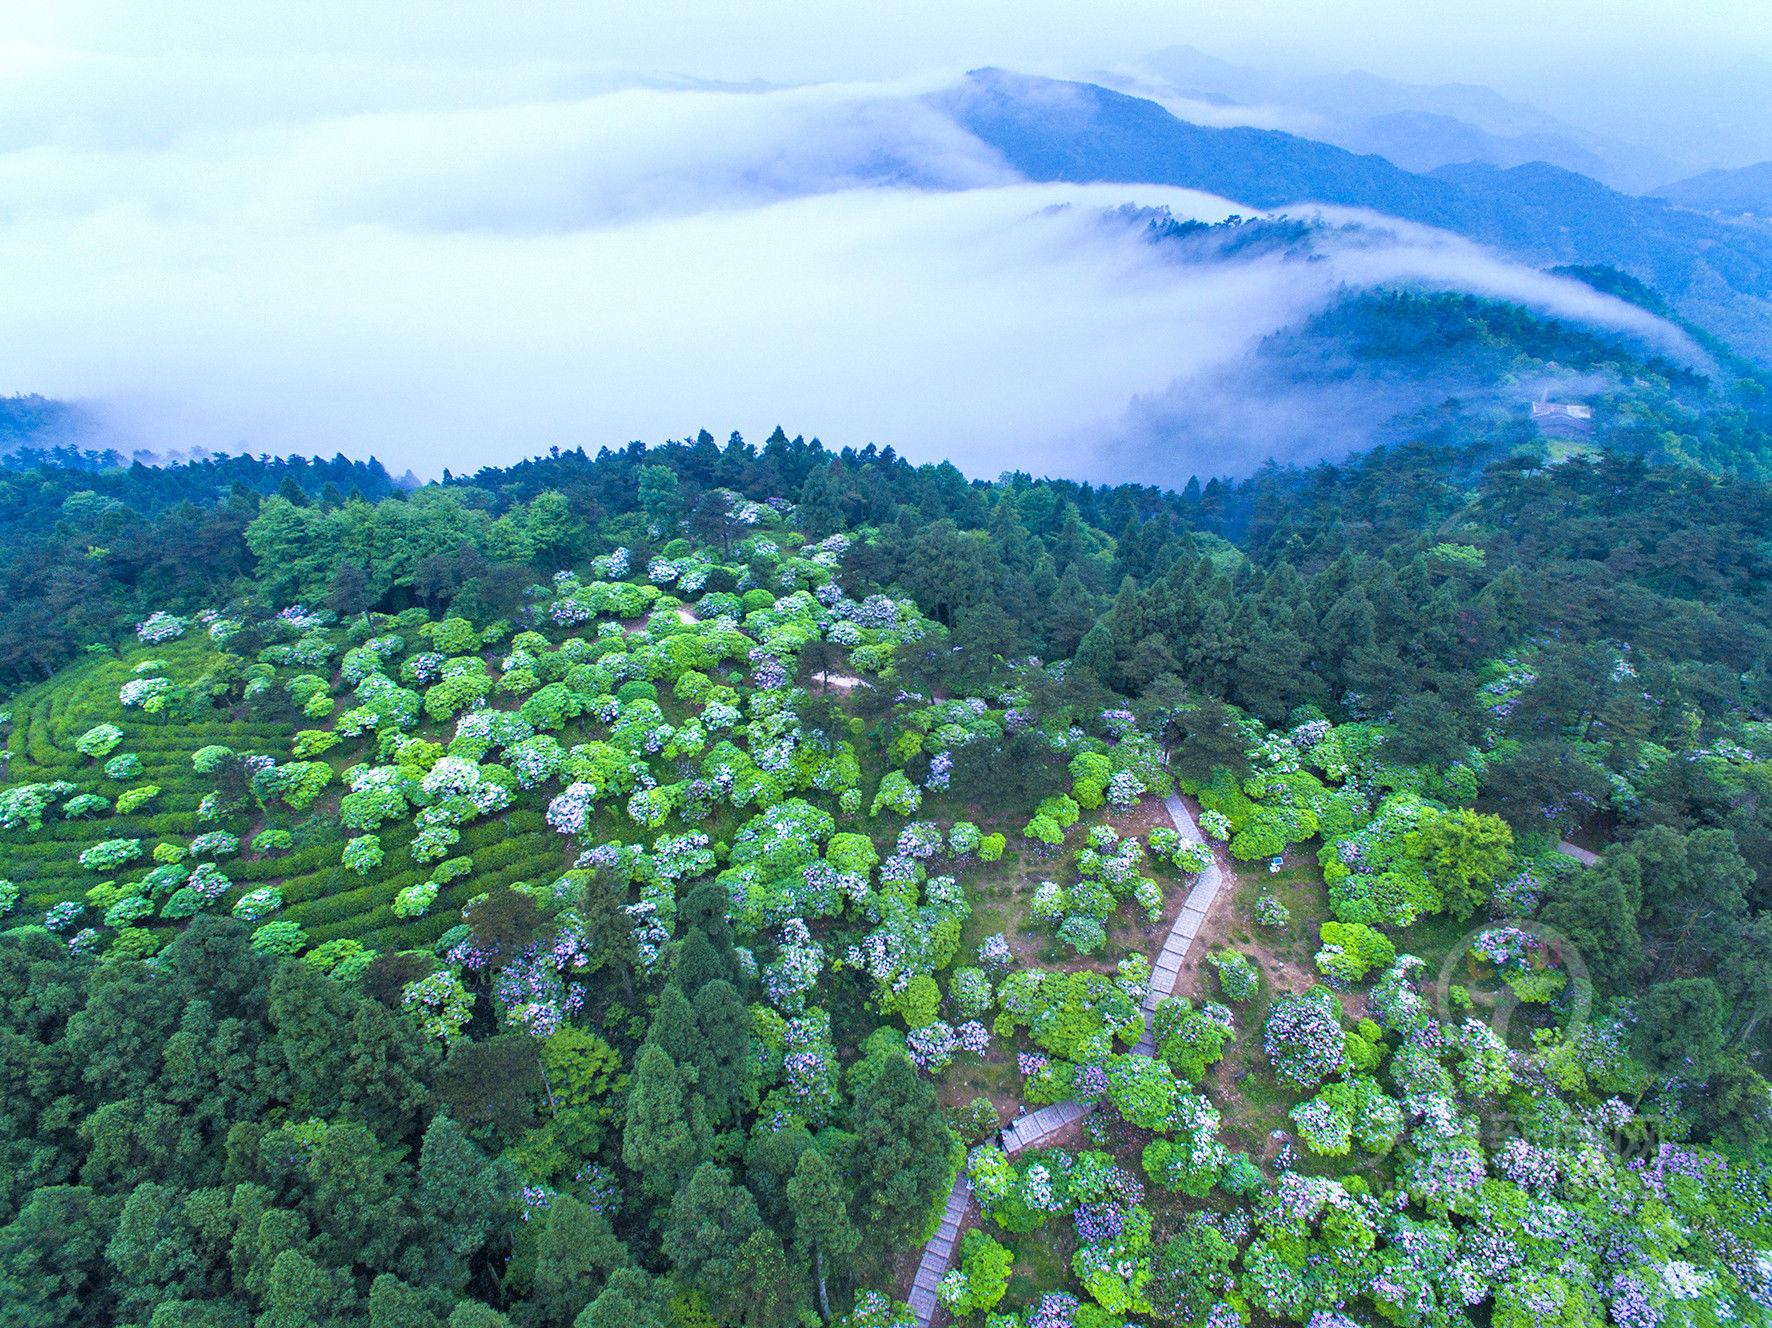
<point>1417,126</point>
<point>438,265</point>
<point>1743,192</point>
<point>1718,273</point>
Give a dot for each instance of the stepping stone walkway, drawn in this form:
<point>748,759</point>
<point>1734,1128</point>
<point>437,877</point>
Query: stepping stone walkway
<point>1034,1128</point>
<point>939,1252</point>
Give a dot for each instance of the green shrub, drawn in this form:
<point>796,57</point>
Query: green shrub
<point>310,743</point>
<point>124,767</point>
<point>415,900</point>
<point>1237,977</point>
<point>99,740</point>
<point>1190,1040</point>
<point>260,903</point>
<point>134,943</point>
<point>207,760</point>
<point>363,854</point>
<point>982,1278</point>
<point>1351,950</point>
<point>1090,772</point>
<point>451,869</point>
<point>1061,809</point>
<point>131,800</point>
<point>975,1122</point>
<point>896,793</point>
<point>919,1003</point>
<point>454,636</point>
<point>110,854</point>
<point>852,853</point>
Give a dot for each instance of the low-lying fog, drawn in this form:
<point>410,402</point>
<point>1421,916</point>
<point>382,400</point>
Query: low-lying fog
<point>473,283</point>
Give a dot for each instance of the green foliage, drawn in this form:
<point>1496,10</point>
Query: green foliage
<point>1190,1040</point>
<point>1463,855</point>
<point>975,1122</point>
<point>982,1277</point>
<point>99,741</point>
<point>124,767</point>
<point>896,793</point>
<point>363,854</point>
<point>273,841</point>
<point>310,743</point>
<point>918,1004</point>
<point>1351,950</point>
<point>1238,979</point>
<point>1090,772</point>
<point>134,799</point>
<point>281,937</point>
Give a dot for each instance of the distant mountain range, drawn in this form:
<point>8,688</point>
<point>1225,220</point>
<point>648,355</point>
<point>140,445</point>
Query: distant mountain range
<point>1744,192</point>
<point>1715,272</point>
<point>1416,126</point>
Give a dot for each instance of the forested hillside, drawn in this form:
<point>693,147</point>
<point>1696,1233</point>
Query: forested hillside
<point>632,888</point>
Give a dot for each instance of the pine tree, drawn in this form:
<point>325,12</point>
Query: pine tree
<point>633,1299</point>
<point>463,1199</point>
<point>725,1028</point>
<point>711,1220</point>
<point>575,1252</point>
<point>657,1143</point>
<point>822,1231</point>
<point>395,1304</point>
<point>900,1157</point>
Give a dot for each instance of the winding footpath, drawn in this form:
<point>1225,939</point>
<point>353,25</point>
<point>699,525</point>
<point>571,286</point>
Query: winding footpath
<point>1034,1128</point>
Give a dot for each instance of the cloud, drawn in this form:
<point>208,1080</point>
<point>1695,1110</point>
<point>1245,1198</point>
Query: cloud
<point>454,273</point>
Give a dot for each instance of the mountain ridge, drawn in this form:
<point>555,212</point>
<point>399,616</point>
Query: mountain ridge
<point>1717,273</point>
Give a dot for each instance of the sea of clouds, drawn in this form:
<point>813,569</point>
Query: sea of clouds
<point>447,267</point>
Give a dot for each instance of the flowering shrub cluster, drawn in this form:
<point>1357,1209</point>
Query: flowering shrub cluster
<point>100,740</point>
<point>110,854</point>
<point>160,626</point>
<point>1270,912</point>
<point>1237,976</point>
<point>1303,1037</point>
<point>258,904</point>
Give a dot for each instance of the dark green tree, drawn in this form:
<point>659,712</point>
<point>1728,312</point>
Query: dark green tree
<point>1680,1029</point>
<point>899,1161</point>
<point>657,1143</point>
<point>823,1235</point>
<point>711,1220</point>
<point>632,1299</point>
<point>464,1200</point>
<point>575,1251</point>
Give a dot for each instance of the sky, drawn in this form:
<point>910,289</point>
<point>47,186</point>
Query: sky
<point>454,234</point>
<point>1492,41</point>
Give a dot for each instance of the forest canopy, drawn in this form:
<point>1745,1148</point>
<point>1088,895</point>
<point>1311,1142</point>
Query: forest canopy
<point>637,888</point>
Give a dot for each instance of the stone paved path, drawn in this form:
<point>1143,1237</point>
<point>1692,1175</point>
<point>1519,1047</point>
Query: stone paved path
<point>1036,1127</point>
<point>1580,854</point>
<point>939,1252</point>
